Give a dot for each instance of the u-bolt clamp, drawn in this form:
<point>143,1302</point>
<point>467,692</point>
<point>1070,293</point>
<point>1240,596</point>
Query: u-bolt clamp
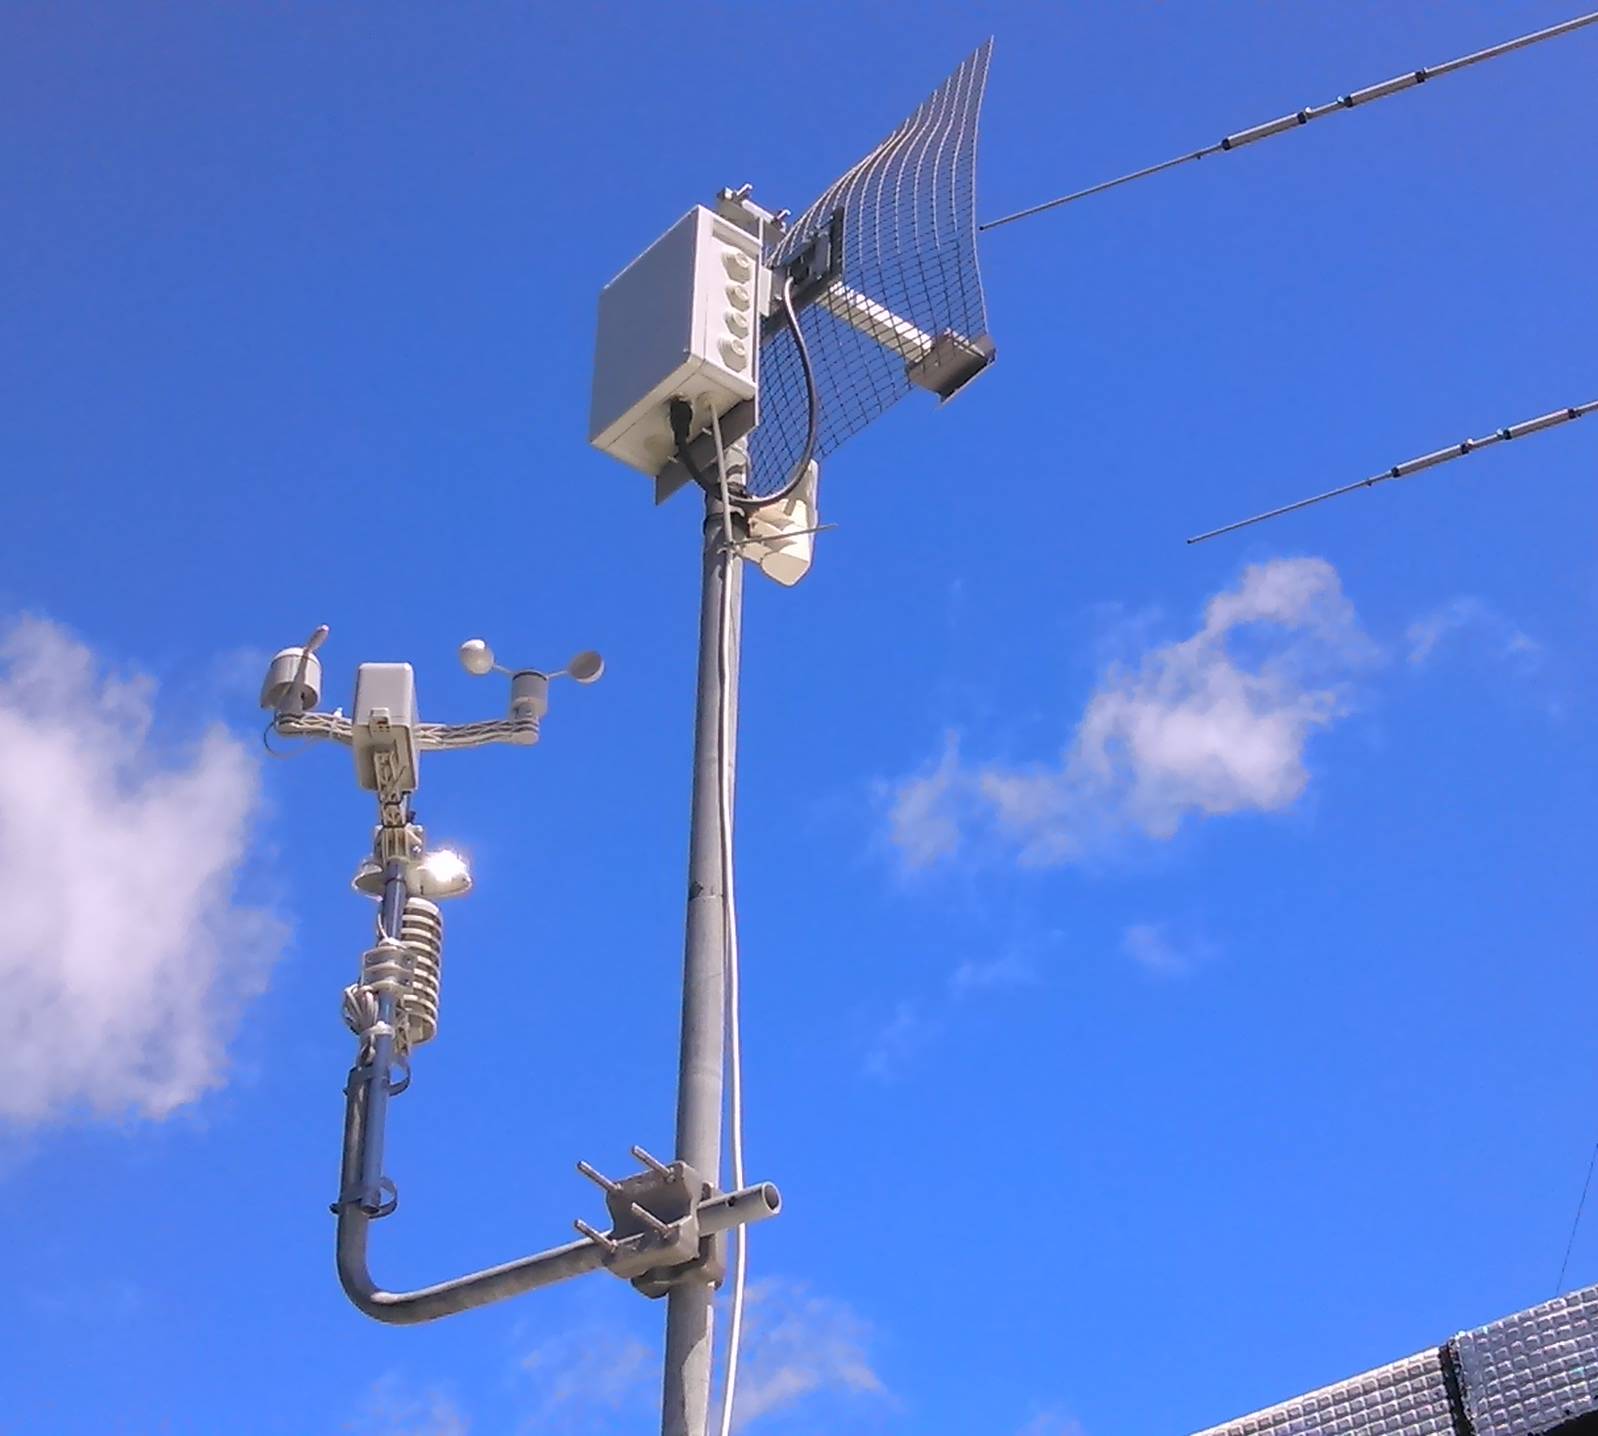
<point>666,1223</point>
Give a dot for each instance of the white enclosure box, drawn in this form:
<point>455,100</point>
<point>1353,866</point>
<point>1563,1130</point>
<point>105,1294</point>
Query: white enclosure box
<point>681,321</point>
<point>385,692</point>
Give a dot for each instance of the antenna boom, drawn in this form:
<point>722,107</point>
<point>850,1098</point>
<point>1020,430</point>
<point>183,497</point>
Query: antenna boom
<point>1414,466</point>
<point>1293,121</point>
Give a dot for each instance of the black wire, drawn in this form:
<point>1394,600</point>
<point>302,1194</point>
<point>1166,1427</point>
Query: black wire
<point>266,740</point>
<point>812,427</point>
<point>1565,1264</point>
<point>682,418</point>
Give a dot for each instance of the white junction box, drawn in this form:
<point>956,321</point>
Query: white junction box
<point>681,321</point>
<point>385,723</point>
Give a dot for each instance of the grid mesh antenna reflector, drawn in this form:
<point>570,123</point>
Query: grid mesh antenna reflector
<point>904,305</point>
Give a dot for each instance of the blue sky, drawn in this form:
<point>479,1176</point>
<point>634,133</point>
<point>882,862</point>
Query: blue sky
<point>1166,968</point>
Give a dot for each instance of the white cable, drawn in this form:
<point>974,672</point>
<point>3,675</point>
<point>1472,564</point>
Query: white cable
<point>729,555</point>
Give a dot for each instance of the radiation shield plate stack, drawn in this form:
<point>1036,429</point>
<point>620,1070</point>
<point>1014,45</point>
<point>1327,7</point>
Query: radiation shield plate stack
<point>884,266</point>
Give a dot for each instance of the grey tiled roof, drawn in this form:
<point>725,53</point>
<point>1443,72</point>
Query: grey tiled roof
<point>1410,1396</point>
<point>1534,1371</point>
<point>1528,1375</point>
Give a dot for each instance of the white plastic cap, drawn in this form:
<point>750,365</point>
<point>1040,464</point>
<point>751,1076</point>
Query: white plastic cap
<point>477,657</point>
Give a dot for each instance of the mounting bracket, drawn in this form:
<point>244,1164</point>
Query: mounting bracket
<point>656,1240</point>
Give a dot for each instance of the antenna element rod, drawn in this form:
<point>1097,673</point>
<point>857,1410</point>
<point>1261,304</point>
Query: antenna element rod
<point>1315,112</point>
<point>1414,466</point>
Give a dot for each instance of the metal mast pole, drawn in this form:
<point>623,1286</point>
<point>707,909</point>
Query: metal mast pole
<point>685,1409</point>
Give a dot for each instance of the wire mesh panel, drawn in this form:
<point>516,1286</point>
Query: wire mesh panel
<point>902,306</point>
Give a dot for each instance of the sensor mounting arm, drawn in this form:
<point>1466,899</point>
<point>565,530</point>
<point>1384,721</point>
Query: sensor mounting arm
<point>712,1214</point>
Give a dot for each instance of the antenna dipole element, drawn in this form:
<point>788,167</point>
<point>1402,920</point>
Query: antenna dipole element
<point>1414,466</point>
<point>1298,118</point>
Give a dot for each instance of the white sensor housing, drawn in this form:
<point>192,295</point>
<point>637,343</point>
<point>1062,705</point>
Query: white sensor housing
<point>782,539</point>
<point>293,682</point>
<point>681,321</point>
<point>385,724</point>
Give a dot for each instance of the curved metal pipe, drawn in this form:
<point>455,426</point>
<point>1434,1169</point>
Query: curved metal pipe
<point>428,1303</point>
<point>546,1268</point>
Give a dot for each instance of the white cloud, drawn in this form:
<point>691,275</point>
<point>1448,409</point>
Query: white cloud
<point>1011,970</point>
<point>1213,724</point>
<point>906,1033</point>
<point>127,958</point>
<point>1151,946</point>
<point>1052,1422</point>
<point>799,1347</point>
<point>585,1375</point>
<point>1467,620</point>
<point>392,1408</point>
<point>923,817</point>
<point>916,1024</point>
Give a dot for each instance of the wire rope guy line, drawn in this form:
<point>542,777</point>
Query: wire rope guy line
<point>1581,1206</point>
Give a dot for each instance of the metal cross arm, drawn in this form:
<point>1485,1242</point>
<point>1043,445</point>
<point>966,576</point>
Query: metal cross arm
<point>520,730</point>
